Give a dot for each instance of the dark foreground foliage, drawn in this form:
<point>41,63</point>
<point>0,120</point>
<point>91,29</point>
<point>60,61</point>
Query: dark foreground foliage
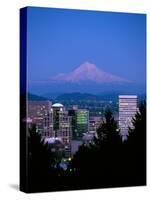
<point>105,162</point>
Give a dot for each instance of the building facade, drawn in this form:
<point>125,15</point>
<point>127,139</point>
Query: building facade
<point>94,123</point>
<point>127,110</point>
<point>82,122</point>
<point>36,112</point>
<point>72,115</point>
<point>57,125</point>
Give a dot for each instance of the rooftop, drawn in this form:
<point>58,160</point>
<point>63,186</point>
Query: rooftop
<point>57,105</point>
<point>128,96</point>
<point>52,140</point>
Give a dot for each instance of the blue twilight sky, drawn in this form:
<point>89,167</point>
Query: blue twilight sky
<point>59,40</point>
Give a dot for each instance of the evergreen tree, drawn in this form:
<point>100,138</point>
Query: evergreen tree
<point>135,148</point>
<point>41,160</point>
<point>137,134</point>
<point>99,161</point>
<point>108,130</point>
<point>110,149</point>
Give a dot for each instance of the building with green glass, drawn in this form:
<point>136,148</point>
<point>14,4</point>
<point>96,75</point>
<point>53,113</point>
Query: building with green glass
<point>82,122</point>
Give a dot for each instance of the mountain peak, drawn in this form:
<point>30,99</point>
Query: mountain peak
<point>89,72</point>
<point>87,65</point>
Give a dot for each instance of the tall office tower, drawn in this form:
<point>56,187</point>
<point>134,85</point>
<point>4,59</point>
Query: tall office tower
<point>36,112</point>
<point>48,125</point>
<point>82,122</point>
<point>127,110</point>
<point>72,115</point>
<point>57,125</point>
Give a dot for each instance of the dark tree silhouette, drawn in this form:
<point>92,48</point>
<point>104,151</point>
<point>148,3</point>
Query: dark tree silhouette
<point>108,130</point>
<point>105,162</point>
<point>99,161</point>
<point>41,161</point>
<point>137,134</point>
<point>110,150</point>
<point>109,162</point>
<point>135,147</point>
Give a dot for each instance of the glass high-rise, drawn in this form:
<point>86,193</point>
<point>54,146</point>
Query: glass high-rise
<point>82,122</point>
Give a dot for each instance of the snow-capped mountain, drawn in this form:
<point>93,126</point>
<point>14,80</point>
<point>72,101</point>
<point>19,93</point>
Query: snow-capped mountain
<point>89,72</point>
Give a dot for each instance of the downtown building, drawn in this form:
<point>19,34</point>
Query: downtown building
<point>127,110</point>
<point>79,122</point>
<point>36,113</point>
<point>82,122</point>
<point>57,125</point>
<point>94,123</point>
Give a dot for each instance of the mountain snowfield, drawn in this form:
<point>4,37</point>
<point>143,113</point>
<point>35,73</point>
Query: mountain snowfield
<point>89,72</point>
<point>86,78</point>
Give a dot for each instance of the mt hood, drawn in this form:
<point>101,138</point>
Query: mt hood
<point>89,72</point>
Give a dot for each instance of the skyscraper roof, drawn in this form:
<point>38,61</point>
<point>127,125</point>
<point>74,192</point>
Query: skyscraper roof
<point>128,96</point>
<point>59,105</point>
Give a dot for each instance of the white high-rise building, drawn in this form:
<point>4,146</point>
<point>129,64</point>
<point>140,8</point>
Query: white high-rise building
<point>127,110</point>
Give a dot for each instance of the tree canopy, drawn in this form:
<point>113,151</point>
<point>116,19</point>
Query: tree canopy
<point>110,161</point>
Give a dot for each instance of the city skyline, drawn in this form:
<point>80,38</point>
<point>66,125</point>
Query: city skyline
<point>54,120</point>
